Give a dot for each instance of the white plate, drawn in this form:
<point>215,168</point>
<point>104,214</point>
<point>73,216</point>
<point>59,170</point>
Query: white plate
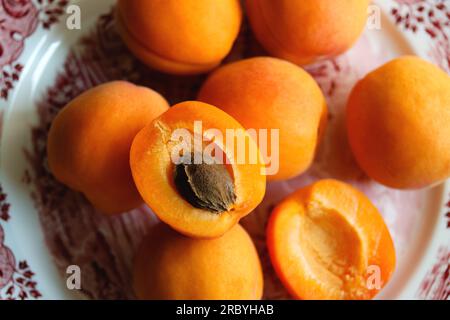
<point>44,227</point>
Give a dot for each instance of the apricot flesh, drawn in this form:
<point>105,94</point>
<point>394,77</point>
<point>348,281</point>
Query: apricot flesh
<point>90,139</point>
<point>179,37</point>
<point>171,266</point>
<point>304,31</point>
<point>397,124</point>
<point>269,93</point>
<point>153,170</point>
<point>328,241</point>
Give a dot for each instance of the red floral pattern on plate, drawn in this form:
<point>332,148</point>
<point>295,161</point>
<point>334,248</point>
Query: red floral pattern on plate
<point>436,285</point>
<point>432,17</point>
<point>18,20</point>
<point>16,281</point>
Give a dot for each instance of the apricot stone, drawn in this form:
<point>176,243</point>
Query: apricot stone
<point>269,93</point>
<point>90,139</point>
<point>171,266</point>
<point>398,124</point>
<point>303,31</point>
<point>179,37</point>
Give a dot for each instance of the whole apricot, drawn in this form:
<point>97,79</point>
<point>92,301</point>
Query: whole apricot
<point>272,94</point>
<point>171,266</point>
<point>328,241</point>
<point>303,31</point>
<point>397,124</point>
<point>90,138</point>
<point>207,194</point>
<point>179,37</point>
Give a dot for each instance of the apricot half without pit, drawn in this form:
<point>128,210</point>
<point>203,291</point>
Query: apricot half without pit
<point>328,241</point>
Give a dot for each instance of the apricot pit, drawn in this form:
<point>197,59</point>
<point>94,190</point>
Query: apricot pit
<point>205,186</point>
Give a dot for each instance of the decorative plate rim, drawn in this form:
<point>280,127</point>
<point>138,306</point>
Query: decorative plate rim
<point>417,19</point>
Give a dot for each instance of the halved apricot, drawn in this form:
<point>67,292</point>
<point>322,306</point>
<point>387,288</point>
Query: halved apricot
<point>199,198</point>
<point>328,241</point>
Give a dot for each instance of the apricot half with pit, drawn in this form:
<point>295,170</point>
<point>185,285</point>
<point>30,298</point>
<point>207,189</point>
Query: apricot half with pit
<point>303,31</point>
<point>198,169</point>
<point>179,37</point>
<point>328,241</point>
<point>90,138</point>
<point>171,266</point>
<point>398,124</point>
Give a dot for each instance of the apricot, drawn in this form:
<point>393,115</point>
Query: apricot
<point>328,241</point>
<point>90,139</point>
<point>179,37</point>
<point>303,31</point>
<point>207,195</point>
<point>268,93</point>
<point>171,266</point>
<point>397,124</point>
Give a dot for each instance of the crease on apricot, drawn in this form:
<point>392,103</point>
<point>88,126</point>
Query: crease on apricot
<point>183,67</point>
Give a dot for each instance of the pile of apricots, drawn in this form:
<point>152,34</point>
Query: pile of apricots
<point>113,144</point>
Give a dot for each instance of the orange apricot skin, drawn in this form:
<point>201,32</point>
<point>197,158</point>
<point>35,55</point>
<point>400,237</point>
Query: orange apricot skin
<point>152,170</point>
<point>397,124</point>
<point>304,31</point>
<point>90,138</point>
<point>188,37</point>
<point>359,213</point>
<point>171,266</point>
<point>269,93</point>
